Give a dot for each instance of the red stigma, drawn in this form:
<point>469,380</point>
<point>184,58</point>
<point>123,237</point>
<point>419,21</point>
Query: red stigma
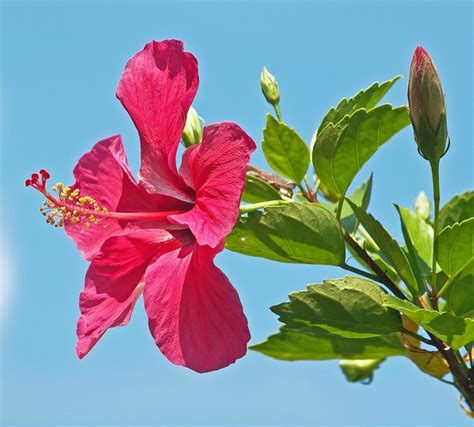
<point>45,174</point>
<point>38,180</point>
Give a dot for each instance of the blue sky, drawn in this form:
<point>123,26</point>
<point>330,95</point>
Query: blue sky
<point>61,62</point>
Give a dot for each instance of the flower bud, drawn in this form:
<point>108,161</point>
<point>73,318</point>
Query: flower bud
<point>269,87</point>
<point>427,107</point>
<point>192,132</point>
<point>422,206</point>
<point>359,370</point>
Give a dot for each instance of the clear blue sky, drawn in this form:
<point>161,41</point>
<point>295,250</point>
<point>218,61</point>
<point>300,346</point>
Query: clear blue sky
<point>61,62</point>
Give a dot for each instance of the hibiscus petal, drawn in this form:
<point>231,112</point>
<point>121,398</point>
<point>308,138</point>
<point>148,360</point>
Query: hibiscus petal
<point>104,174</point>
<point>215,169</point>
<point>195,314</point>
<point>114,282</point>
<point>157,88</point>
<point>101,173</point>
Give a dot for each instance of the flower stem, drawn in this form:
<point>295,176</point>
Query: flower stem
<point>436,198</point>
<point>278,112</point>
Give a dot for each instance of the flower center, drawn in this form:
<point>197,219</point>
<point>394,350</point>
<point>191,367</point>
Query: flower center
<point>67,205</point>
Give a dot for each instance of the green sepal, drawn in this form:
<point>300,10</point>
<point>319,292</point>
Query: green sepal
<point>432,146</point>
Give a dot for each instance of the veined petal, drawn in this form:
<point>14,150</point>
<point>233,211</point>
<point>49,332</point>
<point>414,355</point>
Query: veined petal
<point>104,174</point>
<point>101,173</point>
<point>215,169</point>
<point>195,314</point>
<point>114,282</point>
<point>157,88</point>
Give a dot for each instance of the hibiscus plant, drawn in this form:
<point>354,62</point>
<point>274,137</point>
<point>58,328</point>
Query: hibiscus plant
<point>158,235</point>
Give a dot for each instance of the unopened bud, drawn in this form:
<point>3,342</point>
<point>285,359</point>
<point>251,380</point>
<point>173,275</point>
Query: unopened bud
<point>192,132</point>
<point>427,107</point>
<point>269,87</point>
<point>422,206</point>
<point>359,370</point>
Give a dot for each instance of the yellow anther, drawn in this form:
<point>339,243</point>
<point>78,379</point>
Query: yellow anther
<point>71,207</point>
<point>65,191</point>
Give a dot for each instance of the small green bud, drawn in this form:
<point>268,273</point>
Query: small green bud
<point>192,132</point>
<point>269,87</point>
<point>422,206</point>
<point>359,370</point>
<point>427,106</point>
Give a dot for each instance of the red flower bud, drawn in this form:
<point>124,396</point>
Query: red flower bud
<point>427,107</point>
<point>425,95</point>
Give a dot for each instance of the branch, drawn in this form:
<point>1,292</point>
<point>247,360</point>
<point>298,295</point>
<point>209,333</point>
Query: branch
<point>381,275</point>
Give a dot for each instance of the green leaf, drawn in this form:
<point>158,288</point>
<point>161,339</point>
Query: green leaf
<point>460,299</point>
<point>454,330</point>
<point>367,99</point>
<point>284,150</point>
<point>341,150</point>
<point>298,233</point>
<point>457,209</point>
<point>351,307</point>
<point>418,236</point>
<point>456,247</point>
<point>250,237</point>
<point>291,344</point>
<point>389,248</point>
<point>257,190</point>
<point>360,370</point>
<point>361,197</point>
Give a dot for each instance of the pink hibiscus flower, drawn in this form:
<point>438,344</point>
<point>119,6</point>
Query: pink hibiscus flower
<point>158,237</point>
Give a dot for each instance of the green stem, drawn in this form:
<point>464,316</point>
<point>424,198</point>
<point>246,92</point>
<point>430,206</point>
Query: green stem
<point>317,185</point>
<point>368,238</point>
<point>255,206</point>
<point>360,272</point>
<point>278,112</point>
<point>339,209</point>
<point>308,185</point>
<point>436,197</point>
<point>417,336</point>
